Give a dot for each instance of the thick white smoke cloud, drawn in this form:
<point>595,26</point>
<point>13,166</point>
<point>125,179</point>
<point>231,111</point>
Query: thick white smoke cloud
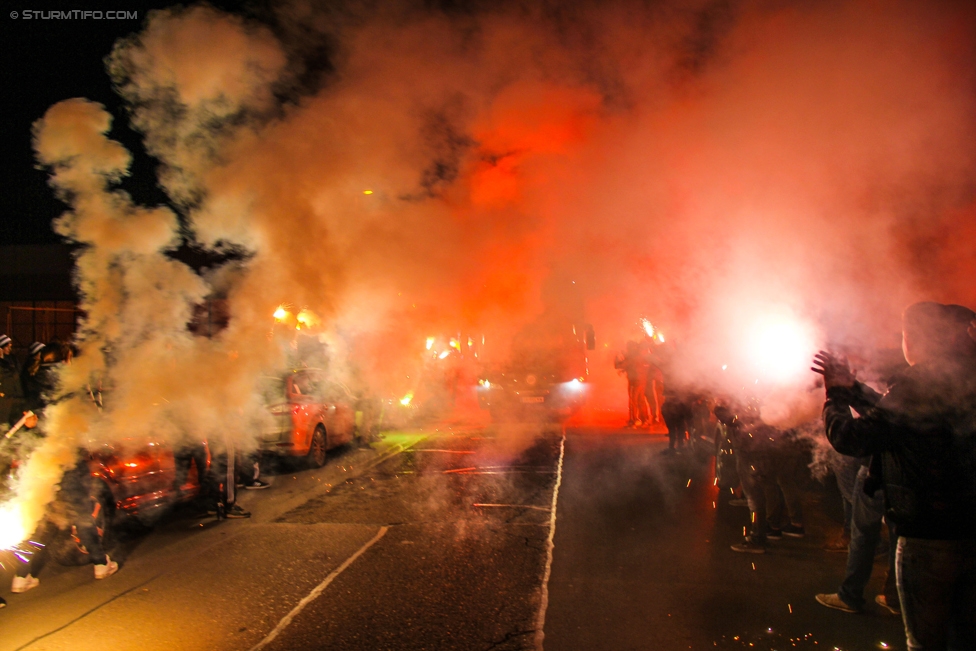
<point>705,164</point>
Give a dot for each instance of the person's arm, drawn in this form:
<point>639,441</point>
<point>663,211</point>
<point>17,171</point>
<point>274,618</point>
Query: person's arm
<point>856,437</point>
<point>866,395</point>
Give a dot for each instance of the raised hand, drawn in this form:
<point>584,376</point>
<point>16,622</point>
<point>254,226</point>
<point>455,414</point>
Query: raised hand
<point>835,370</point>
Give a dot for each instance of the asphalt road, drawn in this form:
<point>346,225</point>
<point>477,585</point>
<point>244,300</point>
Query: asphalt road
<point>440,540</point>
<point>643,561</point>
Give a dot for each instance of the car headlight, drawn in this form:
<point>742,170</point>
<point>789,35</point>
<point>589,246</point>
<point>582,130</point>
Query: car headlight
<point>576,384</point>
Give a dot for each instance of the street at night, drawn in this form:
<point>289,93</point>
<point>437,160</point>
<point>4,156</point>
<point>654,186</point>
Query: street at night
<point>642,563</point>
<point>488,325</point>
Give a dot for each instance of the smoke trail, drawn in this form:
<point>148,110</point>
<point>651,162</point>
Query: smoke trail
<point>704,164</point>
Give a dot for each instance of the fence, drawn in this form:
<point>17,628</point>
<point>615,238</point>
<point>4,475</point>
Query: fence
<point>44,321</point>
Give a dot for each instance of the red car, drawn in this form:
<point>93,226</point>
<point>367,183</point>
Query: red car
<point>311,415</point>
<point>134,478</point>
<point>138,478</point>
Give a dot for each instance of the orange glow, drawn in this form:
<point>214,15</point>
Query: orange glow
<point>307,318</point>
<point>528,121</point>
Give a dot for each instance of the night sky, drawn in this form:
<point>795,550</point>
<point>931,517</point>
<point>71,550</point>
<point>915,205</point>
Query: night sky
<point>46,61</point>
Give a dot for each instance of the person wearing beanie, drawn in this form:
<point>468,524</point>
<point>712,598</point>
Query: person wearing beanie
<point>11,390</point>
<point>37,375</point>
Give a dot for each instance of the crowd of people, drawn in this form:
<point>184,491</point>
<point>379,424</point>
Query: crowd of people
<point>904,457</point>
<point>25,390</point>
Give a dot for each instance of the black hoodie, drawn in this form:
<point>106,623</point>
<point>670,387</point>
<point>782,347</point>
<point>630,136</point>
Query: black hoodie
<point>924,433</point>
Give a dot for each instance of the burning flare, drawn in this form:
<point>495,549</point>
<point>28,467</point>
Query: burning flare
<point>648,327</point>
<point>780,347</point>
<point>12,527</point>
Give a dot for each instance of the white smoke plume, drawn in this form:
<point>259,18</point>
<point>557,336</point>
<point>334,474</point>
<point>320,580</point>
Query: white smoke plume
<point>701,163</point>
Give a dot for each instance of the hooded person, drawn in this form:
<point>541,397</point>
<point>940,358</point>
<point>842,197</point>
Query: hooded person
<point>767,471</point>
<point>34,378</point>
<point>922,438</point>
<point>76,494</point>
<point>11,390</point>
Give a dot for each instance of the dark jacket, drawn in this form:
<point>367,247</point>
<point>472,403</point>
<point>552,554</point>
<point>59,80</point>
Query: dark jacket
<point>923,435</point>
<point>39,385</point>
<point>11,402</point>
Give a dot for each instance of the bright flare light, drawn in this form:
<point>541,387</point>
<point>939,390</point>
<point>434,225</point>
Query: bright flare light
<point>405,400</point>
<point>648,327</point>
<point>780,346</point>
<point>307,318</point>
<point>280,314</point>
<point>444,354</point>
<point>430,343</point>
<point>12,531</point>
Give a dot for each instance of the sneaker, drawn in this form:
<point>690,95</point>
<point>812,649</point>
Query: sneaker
<point>237,513</point>
<point>256,485</point>
<point>774,534</point>
<point>24,583</point>
<point>108,569</point>
<point>834,601</point>
<point>738,502</point>
<point>838,544</point>
<point>749,545</point>
<point>794,530</point>
<point>882,601</point>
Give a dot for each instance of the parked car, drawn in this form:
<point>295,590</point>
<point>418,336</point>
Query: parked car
<point>139,477</point>
<point>545,375</point>
<point>135,479</point>
<point>311,415</point>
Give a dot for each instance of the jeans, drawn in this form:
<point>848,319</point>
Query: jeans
<point>88,535</point>
<point>845,470</point>
<point>749,467</point>
<point>677,417</point>
<point>43,536</point>
<point>937,586</point>
<point>783,469</point>
<point>866,515</point>
<point>636,401</point>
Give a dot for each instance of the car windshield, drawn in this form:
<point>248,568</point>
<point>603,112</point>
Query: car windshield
<point>273,390</point>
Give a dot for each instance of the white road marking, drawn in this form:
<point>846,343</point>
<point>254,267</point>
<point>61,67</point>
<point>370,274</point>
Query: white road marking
<point>287,619</point>
<point>444,451</point>
<point>512,506</point>
<point>540,620</point>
